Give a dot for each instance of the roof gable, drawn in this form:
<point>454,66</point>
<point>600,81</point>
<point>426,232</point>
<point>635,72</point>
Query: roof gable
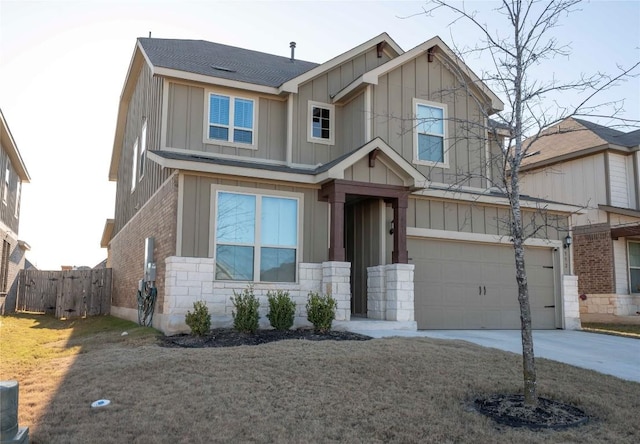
<point>573,138</point>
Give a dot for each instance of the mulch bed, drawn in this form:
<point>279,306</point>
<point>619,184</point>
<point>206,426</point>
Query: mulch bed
<point>227,337</point>
<point>511,411</point>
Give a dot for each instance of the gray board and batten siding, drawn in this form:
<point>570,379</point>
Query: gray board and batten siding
<point>394,119</point>
<point>145,105</point>
<point>8,214</point>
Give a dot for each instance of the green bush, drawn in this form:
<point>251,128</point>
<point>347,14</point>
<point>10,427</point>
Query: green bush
<point>200,320</point>
<point>281,310</point>
<point>321,311</point>
<point>245,315</point>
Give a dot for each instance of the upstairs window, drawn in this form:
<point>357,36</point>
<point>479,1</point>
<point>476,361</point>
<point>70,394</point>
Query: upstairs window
<point>634,266</point>
<point>321,123</point>
<point>231,119</point>
<point>143,148</point>
<point>5,190</point>
<point>430,134</point>
<point>134,165</point>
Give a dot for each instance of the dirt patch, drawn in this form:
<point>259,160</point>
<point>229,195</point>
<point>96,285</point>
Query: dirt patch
<point>549,414</point>
<point>227,337</point>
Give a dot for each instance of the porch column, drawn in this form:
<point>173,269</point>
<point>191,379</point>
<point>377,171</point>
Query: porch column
<point>400,254</point>
<point>336,231</point>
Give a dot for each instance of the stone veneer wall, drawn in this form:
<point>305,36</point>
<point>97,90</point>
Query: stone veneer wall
<point>192,279</point>
<point>571,309</point>
<point>613,304</point>
<point>390,292</point>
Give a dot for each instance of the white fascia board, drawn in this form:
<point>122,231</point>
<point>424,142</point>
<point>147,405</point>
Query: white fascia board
<point>9,145</point>
<point>292,85</point>
<point>498,201</point>
<point>187,165</point>
<point>351,87</point>
<point>201,78</point>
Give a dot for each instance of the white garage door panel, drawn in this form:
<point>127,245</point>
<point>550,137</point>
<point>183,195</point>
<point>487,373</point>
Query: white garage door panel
<point>472,285</point>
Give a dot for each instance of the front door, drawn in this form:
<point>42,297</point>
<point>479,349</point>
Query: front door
<point>363,227</point>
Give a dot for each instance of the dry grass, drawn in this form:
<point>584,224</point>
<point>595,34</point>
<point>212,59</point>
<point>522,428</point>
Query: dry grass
<point>628,330</point>
<point>387,390</point>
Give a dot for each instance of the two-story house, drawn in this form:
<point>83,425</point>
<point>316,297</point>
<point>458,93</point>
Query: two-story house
<point>13,173</point>
<point>367,177</point>
<point>598,169</point>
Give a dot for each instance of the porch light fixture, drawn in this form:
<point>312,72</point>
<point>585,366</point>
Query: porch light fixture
<point>567,241</point>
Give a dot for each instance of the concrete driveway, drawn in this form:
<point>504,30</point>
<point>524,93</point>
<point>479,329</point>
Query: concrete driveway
<point>612,355</point>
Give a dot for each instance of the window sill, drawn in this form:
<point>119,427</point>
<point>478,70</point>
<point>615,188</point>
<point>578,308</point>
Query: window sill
<point>321,141</point>
<point>230,144</point>
<point>444,165</point>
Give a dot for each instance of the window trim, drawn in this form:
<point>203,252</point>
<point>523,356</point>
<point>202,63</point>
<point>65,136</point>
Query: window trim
<point>332,125</point>
<point>445,143</point>
<point>229,142</point>
<point>629,266</point>
<point>16,210</point>
<point>259,194</point>
<point>7,183</point>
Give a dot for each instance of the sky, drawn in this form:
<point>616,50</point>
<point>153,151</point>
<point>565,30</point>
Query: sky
<point>63,65</point>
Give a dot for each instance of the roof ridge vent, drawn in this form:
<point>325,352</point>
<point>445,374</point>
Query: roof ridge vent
<point>222,68</point>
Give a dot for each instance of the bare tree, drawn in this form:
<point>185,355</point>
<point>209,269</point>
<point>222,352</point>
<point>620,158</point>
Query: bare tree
<point>526,42</point>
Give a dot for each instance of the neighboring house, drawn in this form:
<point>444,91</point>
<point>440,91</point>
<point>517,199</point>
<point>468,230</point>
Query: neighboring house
<point>13,173</point>
<point>357,177</point>
<point>597,168</point>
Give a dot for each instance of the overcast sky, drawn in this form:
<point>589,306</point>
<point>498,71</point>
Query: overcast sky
<point>63,63</point>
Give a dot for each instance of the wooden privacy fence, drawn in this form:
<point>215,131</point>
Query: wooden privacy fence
<point>67,294</point>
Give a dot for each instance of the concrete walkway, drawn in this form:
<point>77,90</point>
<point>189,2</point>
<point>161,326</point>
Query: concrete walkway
<point>612,355</point>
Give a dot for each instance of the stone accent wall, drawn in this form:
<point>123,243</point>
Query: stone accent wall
<point>570,302</point>
<point>613,304</point>
<point>390,292</point>
<point>593,259</point>
<point>192,279</point>
<point>157,219</point>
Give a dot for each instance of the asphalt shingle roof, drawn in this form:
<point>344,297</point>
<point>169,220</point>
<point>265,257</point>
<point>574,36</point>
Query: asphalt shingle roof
<point>223,61</point>
<point>612,135</point>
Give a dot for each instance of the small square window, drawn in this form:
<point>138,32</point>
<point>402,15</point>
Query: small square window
<point>321,125</point>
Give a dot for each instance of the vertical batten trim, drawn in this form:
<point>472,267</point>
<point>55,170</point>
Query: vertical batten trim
<point>165,114</point>
<point>180,214</point>
<point>368,113</point>
<point>289,154</point>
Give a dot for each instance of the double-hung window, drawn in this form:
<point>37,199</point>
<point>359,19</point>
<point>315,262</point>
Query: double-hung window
<point>143,149</point>
<point>321,123</point>
<point>231,119</point>
<point>430,133</point>
<point>256,237</point>
<point>634,266</point>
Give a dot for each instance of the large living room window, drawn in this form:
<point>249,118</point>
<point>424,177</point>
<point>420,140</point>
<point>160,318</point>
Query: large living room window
<point>256,237</point>
<point>430,133</point>
<point>634,266</point>
<point>231,119</point>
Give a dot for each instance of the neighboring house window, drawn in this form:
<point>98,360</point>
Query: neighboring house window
<point>5,190</point>
<point>634,266</point>
<point>231,119</point>
<point>430,133</point>
<point>256,237</point>
<point>143,148</point>
<point>4,266</point>
<point>17,208</point>
<point>134,165</point>
<point>321,123</point>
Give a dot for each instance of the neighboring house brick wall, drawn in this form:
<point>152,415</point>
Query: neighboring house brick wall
<point>157,219</point>
<point>593,259</point>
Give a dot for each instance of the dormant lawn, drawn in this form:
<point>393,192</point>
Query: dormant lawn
<point>383,390</point>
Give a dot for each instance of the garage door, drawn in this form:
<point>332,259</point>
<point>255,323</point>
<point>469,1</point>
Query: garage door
<point>462,285</point>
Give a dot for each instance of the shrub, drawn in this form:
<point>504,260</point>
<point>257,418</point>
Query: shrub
<point>281,310</point>
<point>200,320</point>
<point>245,315</point>
<point>321,311</point>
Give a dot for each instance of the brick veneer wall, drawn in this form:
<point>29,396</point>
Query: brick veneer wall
<point>157,218</point>
<point>593,259</point>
